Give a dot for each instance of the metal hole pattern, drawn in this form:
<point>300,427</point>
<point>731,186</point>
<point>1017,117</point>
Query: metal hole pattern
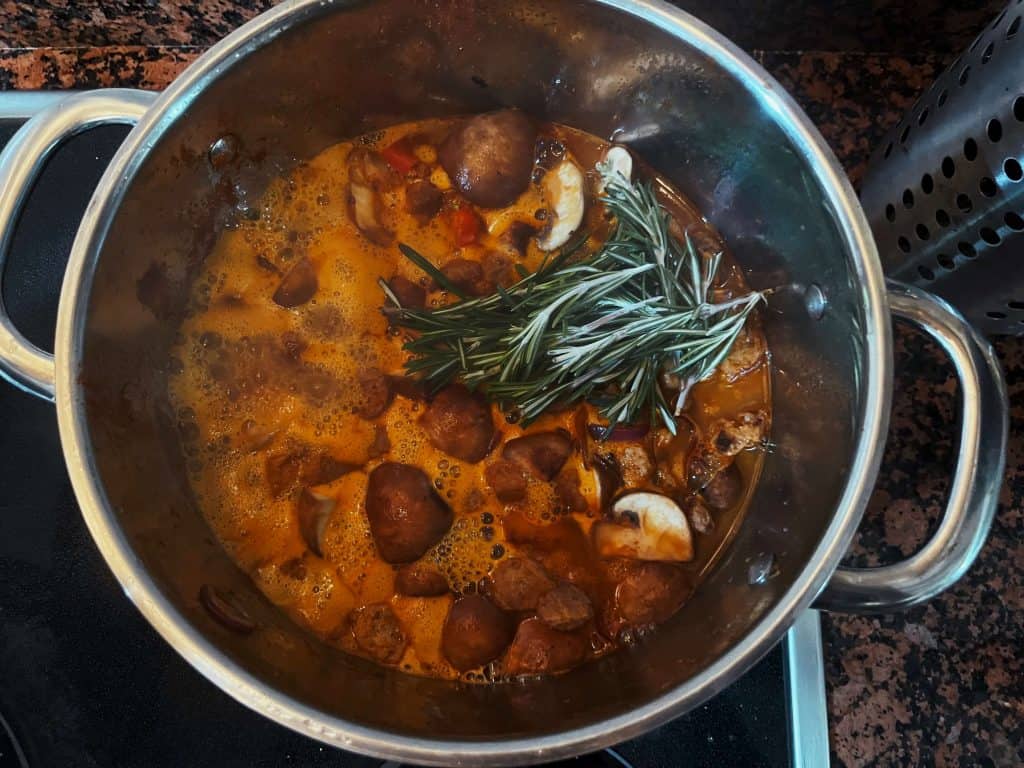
<point>952,199</point>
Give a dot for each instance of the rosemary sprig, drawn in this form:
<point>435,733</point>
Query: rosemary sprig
<point>610,327</point>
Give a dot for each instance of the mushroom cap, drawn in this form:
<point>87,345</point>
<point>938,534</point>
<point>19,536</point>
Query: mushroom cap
<point>644,526</point>
<point>563,190</point>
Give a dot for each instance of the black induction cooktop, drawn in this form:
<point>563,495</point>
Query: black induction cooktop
<point>84,680</point>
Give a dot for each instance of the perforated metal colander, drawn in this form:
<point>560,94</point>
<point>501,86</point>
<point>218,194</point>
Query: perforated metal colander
<point>944,191</point>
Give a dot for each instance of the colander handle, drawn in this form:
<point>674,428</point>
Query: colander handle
<point>974,493</point>
<point>21,362</point>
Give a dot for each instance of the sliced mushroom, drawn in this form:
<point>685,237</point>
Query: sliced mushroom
<point>313,511</point>
<point>619,162</point>
<point>563,190</point>
<point>364,213</point>
<point>542,454</point>
<point>224,611</point>
<point>644,526</point>
<point>518,235</point>
<point>368,173</point>
<point>298,285</point>
<point>725,489</point>
<point>698,515</point>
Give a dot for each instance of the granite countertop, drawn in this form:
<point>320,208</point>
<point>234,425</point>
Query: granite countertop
<point>943,683</point>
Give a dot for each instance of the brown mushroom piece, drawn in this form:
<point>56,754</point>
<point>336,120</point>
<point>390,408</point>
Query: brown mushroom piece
<point>224,611</point>
<point>541,453</point>
<point>517,236</point>
<point>459,423</point>
<point>321,468</point>
<point>650,593</point>
<point>507,481</point>
<point>567,490</point>
<point>618,162</point>
<point>497,268</point>
<point>301,464</point>
<point>420,580</point>
<point>409,294</point>
<point>378,633</point>
<point>281,471</point>
<point>697,514</point>
<point>376,391</point>
<point>565,608</point>
<point>368,173</point>
<point>408,387</point>
<point>517,584</point>
<point>489,157</point>
<point>365,206</point>
<point>563,193</point>
<point>644,526</point>
<point>406,515</point>
<point>468,277</point>
<point>313,510</point>
<point>476,632</point>
<point>423,201</point>
<point>725,489</point>
<point>539,649</point>
<point>298,285</point>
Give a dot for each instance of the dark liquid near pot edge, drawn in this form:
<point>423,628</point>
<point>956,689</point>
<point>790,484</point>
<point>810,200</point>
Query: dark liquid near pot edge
<point>425,533</point>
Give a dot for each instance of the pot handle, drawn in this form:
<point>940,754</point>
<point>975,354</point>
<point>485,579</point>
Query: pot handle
<point>974,492</point>
<point>21,362</point>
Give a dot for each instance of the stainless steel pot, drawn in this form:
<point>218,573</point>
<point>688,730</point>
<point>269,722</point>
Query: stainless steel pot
<point>309,73</point>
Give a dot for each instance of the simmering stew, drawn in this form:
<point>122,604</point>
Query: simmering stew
<point>385,486</point>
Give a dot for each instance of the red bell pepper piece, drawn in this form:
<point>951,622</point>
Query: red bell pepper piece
<point>465,226</point>
<point>399,156</point>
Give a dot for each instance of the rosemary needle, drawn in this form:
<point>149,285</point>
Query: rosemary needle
<point>610,327</point>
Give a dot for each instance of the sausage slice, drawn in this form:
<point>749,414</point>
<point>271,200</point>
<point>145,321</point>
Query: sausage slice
<point>378,633</point>
<point>539,649</point>
<point>518,583</point>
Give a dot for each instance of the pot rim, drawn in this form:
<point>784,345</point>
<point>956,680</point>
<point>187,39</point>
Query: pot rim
<point>245,687</point>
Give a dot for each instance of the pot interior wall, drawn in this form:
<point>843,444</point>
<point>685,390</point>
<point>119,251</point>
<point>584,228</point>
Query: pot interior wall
<point>339,71</point>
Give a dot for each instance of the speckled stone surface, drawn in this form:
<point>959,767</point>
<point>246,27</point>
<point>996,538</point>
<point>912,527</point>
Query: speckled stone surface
<point>940,685</point>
